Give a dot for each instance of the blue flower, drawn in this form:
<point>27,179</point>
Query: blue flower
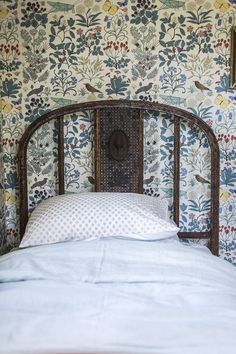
<point>63,72</point>
<point>54,80</point>
<point>163,77</point>
<point>183,77</point>
<point>165,171</point>
<point>76,173</point>
<point>73,80</point>
<point>183,171</point>
<point>172,69</point>
<point>231,115</point>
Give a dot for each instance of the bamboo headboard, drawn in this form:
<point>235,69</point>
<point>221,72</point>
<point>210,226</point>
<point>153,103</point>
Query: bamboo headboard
<point>118,135</point>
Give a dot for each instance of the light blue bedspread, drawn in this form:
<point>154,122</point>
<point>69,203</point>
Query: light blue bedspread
<point>117,296</point>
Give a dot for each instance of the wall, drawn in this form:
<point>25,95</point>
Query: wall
<point>177,52</point>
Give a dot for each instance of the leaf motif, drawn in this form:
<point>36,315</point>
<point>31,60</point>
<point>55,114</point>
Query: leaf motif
<point>154,168</point>
<point>152,74</point>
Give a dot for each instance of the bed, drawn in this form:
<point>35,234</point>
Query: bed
<point>105,271</point>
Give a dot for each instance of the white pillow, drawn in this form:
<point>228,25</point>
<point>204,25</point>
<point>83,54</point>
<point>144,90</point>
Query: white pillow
<point>87,216</point>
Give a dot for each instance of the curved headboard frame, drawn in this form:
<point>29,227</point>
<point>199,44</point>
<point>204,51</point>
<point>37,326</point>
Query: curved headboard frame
<point>175,112</point>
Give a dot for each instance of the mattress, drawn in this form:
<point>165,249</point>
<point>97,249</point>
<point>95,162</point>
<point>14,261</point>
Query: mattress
<point>117,296</point>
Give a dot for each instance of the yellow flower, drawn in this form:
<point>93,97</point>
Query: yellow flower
<point>192,102</point>
<point>80,9</point>
<point>3,13</point>
<point>96,8</point>
<point>200,2</point>
<point>207,5</point>
<point>9,199</point>
<point>88,3</point>
<point>174,19</point>
<point>222,5</point>
<point>67,117</point>
<point>5,106</point>
<point>224,195</point>
<point>191,6</point>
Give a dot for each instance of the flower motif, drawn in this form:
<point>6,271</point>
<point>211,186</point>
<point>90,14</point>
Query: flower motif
<point>183,171</point>
<point>82,126</point>
<point>98,29</point>
<point>73,80</point>
<point>192,216</point>
<point>76,173</point>
<point>79,31</point>
<point>172,69</point>
<point>163,77</point>
<point>190,29</point>
<point>90,35</point>
<point>5,106</point>
<point>202,220</point>
<point>88,3</point>
<point>3,13</point>
<point>63,72</point>
<point>183,77</point>
<point>201,33</point>
<point>209,26</point>
<point>80,9</point>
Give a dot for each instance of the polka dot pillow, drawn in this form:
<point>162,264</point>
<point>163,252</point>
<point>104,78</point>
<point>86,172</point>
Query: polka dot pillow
<point>87,216</point>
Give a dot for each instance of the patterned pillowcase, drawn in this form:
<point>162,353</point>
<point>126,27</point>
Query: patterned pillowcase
<point>87,216</point>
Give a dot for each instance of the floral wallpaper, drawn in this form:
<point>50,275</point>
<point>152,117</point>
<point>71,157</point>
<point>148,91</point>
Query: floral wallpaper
<point>55,53</point>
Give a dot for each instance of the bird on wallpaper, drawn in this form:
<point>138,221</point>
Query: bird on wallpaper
<point>91,89</point>
<point>144,88</point>
<point>201,86</point>
<point>35,91</point>
<point>149,180</point>
<point>39,183</point>
<point>172,4</point>
<point>201,179</point>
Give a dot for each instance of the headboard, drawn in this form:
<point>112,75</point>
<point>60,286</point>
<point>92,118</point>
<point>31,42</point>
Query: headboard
<point>118,154</point>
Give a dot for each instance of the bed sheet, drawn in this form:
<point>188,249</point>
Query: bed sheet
<point>117,296</point>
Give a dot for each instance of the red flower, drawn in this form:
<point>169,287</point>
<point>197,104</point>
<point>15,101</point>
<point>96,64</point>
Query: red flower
<point>191,216</point>
<point>201,34</point>
<point>82,126</point>
<point>99,29</point>
<point>79,31</point>
<point>190,29</point>
<point>209,26</point>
